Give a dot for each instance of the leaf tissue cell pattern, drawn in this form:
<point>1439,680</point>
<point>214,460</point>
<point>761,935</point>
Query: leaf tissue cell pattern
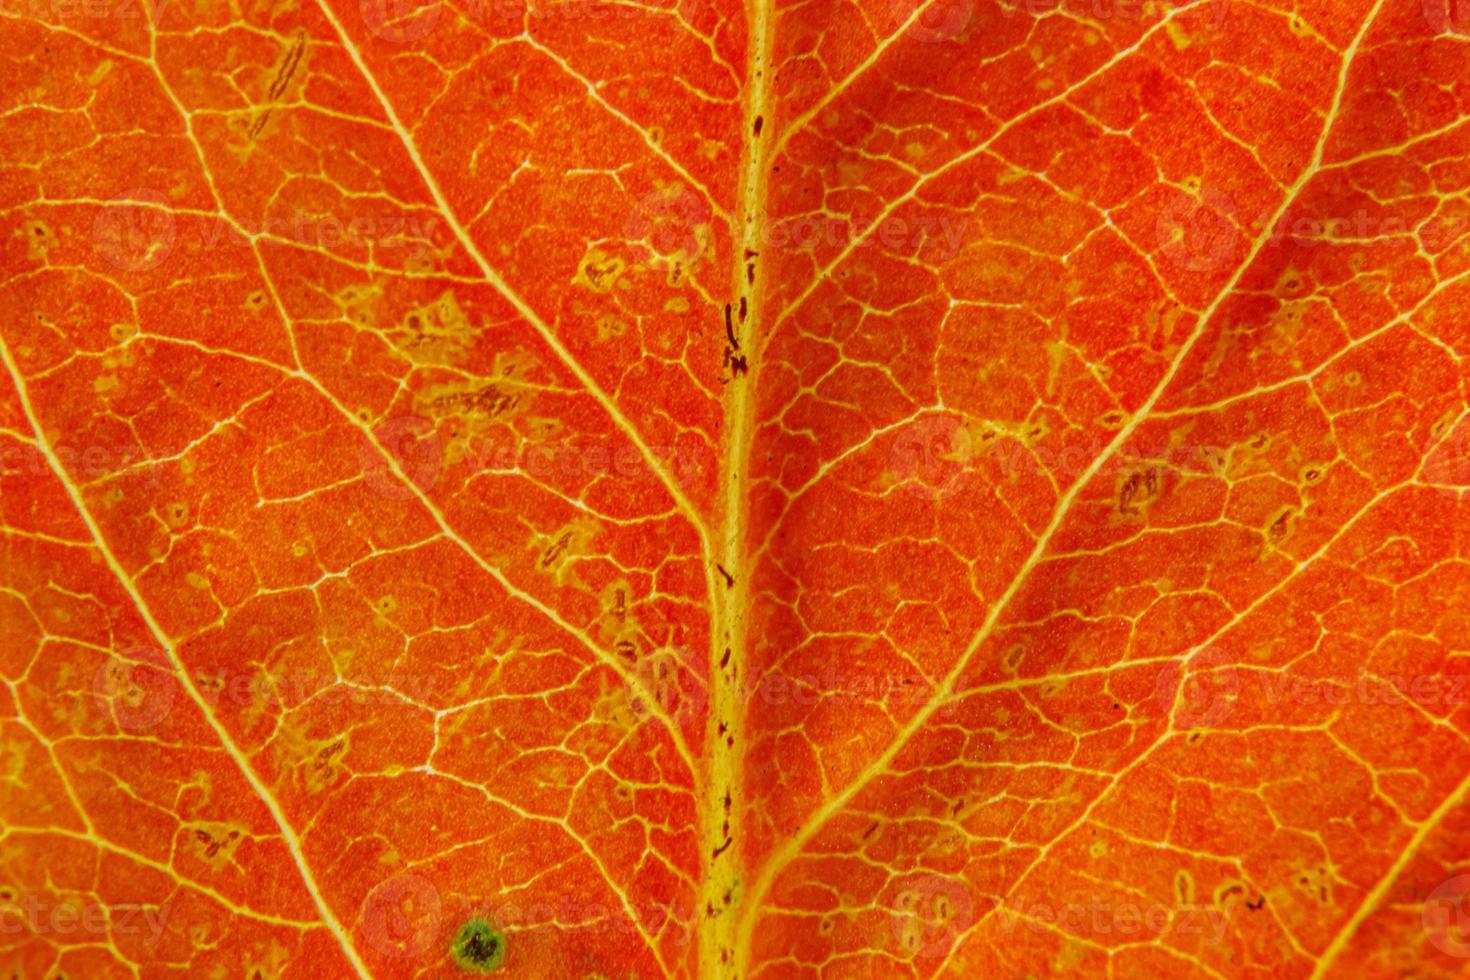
<point>591,488</point>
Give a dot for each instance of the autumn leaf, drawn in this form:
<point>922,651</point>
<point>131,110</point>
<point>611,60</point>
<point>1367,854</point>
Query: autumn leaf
<point>592,488</point>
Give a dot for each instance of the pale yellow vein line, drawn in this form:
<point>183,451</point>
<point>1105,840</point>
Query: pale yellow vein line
<point>296,371</point>
<point>493,278</point>
<point>1372,900</point>
<point>1065,936</point>
<point>1400,149</point>
<point>823,471</point>
<point>1407,317</point>
<point>623,117</point>
<point>1172,848</point>
<point>87,39</point>
<point>723,800</point>
<point>652,704</point>
<point>834,804</point>
<point>185,679</point>
<point>301,925</point>
<point>22,718</point>
<point>560,824</point>
<point>94,837</point>
<point>1116,778</point>
<point>858,240</point>
<point>800,122</point>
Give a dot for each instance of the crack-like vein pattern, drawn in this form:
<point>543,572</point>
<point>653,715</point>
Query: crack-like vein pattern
<point>1092,414</point>
<point>444,600</point>
<point>824,489</point>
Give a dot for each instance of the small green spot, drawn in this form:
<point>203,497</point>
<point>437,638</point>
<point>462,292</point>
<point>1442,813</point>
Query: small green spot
<point>478,946</point>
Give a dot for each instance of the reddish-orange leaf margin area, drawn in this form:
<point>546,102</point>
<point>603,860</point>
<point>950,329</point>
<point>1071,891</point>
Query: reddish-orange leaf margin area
<point>622,488</point>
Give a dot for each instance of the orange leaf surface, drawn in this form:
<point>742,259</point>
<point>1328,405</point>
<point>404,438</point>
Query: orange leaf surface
<point>606,488</point>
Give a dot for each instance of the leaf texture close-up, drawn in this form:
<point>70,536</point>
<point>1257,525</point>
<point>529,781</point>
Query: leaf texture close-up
<point>735,489</point>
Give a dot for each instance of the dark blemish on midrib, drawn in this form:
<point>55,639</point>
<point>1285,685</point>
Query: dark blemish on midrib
<point>733,359</point>
<point>730,326</point>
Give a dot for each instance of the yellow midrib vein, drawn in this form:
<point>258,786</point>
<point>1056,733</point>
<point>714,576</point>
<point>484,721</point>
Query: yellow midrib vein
<point>722,798</point>
<point>185,679</point>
